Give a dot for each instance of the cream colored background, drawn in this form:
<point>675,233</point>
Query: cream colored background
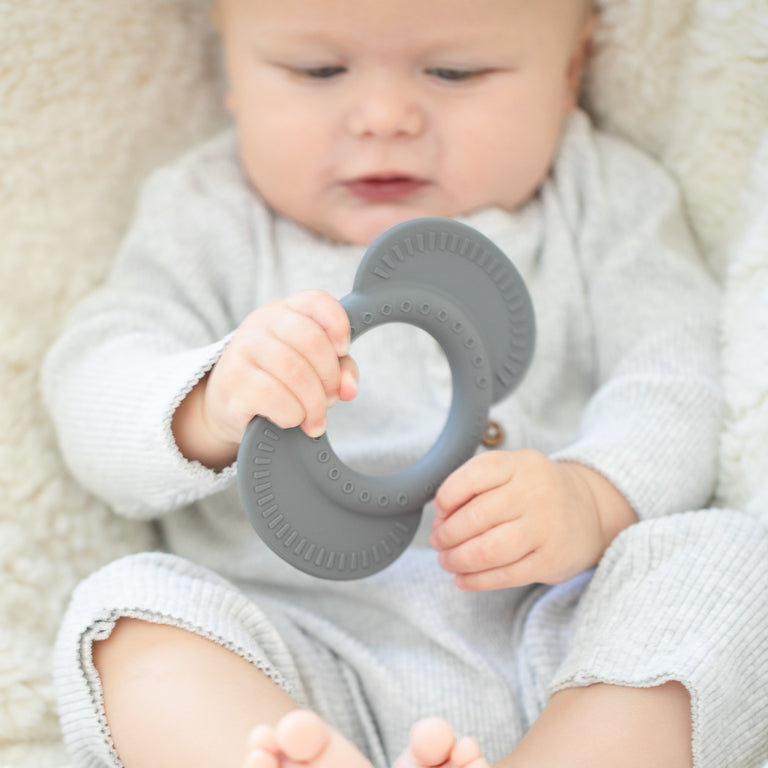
<point>93,94</point>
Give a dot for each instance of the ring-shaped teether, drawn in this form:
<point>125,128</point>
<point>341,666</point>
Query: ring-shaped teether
<point>449,280</point>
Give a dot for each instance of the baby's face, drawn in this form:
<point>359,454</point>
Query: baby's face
<point>354,115</point>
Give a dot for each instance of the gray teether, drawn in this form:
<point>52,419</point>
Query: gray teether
<point>444,277</point>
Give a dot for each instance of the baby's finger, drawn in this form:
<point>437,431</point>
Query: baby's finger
<point>257,393</point>
<point>328,313</point>
<point>287,367</point>
<point>479,514</point>
<point>307,338</point>
<point>500,546</point>
<point>478,475</point>
<point>519,574</point>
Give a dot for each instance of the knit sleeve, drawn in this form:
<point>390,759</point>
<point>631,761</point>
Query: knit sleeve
<point>133,349</point>
<point>653,423</point>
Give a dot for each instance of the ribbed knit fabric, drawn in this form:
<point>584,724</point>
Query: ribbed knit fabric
<point>624,379</point>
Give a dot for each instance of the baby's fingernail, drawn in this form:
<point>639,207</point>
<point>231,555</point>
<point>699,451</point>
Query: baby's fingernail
<point>345,346</point>
<point>331,400</point>
<point>319,430</point>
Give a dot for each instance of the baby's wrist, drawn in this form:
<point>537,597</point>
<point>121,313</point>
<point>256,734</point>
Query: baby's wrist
<point>611,508</point>
<point>193,435</point>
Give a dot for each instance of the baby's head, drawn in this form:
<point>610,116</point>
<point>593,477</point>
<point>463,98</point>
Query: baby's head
<point>354,115</point>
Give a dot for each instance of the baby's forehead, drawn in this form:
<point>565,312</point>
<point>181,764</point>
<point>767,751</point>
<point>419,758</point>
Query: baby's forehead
<point>468,9</point>
<point>408,18</point>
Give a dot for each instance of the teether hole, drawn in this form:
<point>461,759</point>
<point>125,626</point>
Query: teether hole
<point>399,410</point>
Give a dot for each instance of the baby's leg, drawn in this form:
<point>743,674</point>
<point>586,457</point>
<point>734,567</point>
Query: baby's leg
<point>302,740</point>
<point>175,698</point>
<point>612,726</point>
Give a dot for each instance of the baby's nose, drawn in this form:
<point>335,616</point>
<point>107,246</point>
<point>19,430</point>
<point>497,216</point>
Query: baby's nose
<point>386,114</point>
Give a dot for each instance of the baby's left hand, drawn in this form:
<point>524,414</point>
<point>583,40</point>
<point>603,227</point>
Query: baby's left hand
<point>509,518</point>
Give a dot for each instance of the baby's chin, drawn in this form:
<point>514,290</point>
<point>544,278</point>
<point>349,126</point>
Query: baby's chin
<point>361,228</point>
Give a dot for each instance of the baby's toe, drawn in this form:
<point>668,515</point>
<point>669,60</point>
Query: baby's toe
<point>260,758</point>
<point>262,748</point>
<point>263,737</point>
<point>302,735</point>
<point>465,752</point>
<point>432,740</point>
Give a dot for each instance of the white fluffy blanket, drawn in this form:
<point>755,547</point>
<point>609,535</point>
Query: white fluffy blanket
<point>95,93</point>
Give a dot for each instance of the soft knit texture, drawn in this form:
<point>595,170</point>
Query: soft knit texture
<point>626,327</point>
<point>624,379</point>
<point>95,94</point>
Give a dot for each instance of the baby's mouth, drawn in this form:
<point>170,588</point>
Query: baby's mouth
<point>386,187</point>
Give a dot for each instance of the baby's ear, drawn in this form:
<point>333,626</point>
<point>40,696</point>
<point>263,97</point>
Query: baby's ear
<point>580,58</point>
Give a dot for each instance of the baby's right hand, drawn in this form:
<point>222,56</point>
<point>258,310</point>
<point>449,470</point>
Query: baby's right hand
<point>288,361</point>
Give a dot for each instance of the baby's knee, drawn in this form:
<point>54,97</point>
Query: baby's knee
<point>137,647</point>
<point>125,638</point>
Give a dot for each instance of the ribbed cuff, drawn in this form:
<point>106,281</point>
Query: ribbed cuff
<point>684,598</point>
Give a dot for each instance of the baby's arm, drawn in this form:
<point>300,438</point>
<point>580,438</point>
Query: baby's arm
<point>650,425</point>
<point>287,361</point>
<point>196,261</point>
<point>511,518</point>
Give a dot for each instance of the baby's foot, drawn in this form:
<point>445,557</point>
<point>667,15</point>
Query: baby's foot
<point>301,740</point>
<point>433,745</point>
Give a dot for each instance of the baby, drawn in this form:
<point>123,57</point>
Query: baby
<point>352,116</point>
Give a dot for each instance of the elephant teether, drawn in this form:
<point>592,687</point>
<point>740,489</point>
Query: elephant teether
<point>449,280</point>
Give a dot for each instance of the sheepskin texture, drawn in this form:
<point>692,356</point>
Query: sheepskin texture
<point>744,449</point>
<point>93,94</point>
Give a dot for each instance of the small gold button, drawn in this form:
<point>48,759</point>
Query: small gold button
<point>494,435</point>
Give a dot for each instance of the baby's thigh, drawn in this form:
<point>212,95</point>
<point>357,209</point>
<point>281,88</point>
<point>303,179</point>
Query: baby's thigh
<point>154,608</point>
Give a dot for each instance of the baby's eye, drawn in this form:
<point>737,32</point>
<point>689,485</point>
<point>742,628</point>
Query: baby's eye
<point>323,73</point>
<point>453,75</point>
